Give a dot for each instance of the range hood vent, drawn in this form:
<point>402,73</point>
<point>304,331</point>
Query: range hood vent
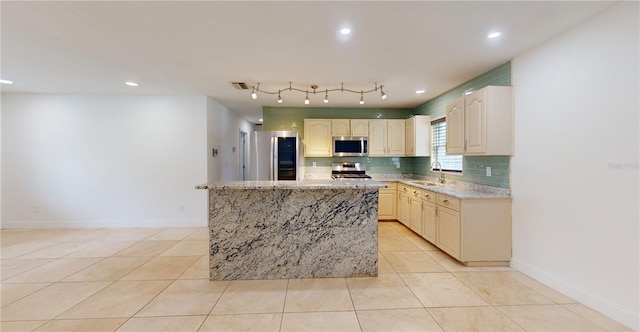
<point>240,85</point>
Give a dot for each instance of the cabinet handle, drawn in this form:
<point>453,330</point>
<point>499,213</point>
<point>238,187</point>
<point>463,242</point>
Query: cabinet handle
<point>405,189</point>
<point>428,196</point>
<point>446,201</point>
<point>415,192</point>
<point>436,211</point>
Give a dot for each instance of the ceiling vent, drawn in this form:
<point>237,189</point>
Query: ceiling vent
<point>240,85</point>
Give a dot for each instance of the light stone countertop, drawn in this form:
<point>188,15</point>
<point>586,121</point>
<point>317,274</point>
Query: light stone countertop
<point>461,190</point>
<point>453,188</point>
<point>302,185</point>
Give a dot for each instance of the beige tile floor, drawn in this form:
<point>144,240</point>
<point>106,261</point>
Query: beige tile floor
<point>157,280</point>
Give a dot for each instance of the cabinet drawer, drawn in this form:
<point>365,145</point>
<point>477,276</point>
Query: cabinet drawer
<point>392,185</point>
<point>404,188</point>
<point>429,196</point>
<point>448,201</point>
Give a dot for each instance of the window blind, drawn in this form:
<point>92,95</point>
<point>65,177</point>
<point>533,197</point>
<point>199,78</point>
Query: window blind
<point>439,145</point>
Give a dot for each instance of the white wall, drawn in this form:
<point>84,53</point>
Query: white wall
<point>223,134</point>
<point>575,173</point>
<point>103,161</point>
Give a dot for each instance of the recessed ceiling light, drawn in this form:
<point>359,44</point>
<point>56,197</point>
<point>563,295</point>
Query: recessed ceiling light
<point>494,35</point>
<point>345,31</point>
<point>6,82</point>
<point>131,83</point>
<point>260,120</point>
<point>420,91</point>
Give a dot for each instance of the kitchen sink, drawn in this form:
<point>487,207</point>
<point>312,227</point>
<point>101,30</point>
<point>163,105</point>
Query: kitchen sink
<point>426,183</point>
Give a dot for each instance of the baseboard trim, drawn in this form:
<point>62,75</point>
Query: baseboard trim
<point>154,223</point>
<point>610,310</point>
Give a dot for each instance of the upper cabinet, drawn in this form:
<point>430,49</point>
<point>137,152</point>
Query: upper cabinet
<point>317,137</point>
<point>481,123</point>
<point>350,127</point>
<point>340,127</point>
<point>418,136</point>
<point>359,127</point>
<point>386,138</point>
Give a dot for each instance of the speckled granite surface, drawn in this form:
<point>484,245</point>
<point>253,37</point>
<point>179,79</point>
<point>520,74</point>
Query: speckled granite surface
<point>462,190</point>
<point>314,184</point>
<point>275,232</point>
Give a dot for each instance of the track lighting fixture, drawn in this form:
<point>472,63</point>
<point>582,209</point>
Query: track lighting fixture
<point>314,89</point>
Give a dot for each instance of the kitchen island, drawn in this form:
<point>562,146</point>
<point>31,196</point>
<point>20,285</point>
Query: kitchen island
<point>291,229</point>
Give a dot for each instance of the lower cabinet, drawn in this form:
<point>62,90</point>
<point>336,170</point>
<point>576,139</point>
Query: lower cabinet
<point>448,231</point>
<point>429,216</point>
<point>477,232</point>
<point>387,202</point>
<point>405,210</point>
<point>404,205</point>
<point>415,208</point>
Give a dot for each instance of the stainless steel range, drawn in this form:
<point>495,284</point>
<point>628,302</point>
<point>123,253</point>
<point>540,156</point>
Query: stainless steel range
<point>349,171</point>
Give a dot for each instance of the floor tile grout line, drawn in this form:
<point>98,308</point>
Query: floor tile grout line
<point>492,305</point>
<point>284,304</point>
<point>92,295</point>
<point>54,260</point>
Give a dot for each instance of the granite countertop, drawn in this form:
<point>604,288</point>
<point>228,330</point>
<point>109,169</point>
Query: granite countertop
<point>457,189</point>
<point>453,188</point>
<point>303,185</point>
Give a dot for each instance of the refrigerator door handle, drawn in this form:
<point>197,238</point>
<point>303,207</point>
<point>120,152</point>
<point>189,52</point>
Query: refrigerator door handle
<point>274,158</point>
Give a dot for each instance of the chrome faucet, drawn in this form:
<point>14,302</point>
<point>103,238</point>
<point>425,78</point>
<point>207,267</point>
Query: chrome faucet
<point>442,180</point>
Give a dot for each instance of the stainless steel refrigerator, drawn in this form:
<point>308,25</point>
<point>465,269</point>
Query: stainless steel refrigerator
<point>274,155</point>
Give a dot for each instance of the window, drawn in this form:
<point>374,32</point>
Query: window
<point>438,148</point>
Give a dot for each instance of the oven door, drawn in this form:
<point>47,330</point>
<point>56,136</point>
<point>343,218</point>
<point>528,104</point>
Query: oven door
<point>350,146</point>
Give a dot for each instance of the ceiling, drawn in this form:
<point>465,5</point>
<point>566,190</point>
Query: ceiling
<point>199,48</point>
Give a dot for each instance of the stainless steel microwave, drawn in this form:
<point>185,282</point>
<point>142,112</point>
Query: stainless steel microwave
<point>349,146</point>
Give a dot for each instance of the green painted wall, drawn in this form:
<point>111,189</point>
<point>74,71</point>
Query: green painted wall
<point>473,168</point>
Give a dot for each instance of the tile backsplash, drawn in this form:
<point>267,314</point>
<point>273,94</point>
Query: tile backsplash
<point>473,168</point>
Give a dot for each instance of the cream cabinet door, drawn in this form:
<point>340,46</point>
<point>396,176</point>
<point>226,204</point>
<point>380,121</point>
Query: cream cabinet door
<point>317,138</point>
<point>359,127</point>
<point>455,126</point>
<point>475,122</point>
<point>395,137</point>
<point>448,231</point>
<point>405,208</point>
<point>386,204</point>
<point>377,138</point>
<point>429,221</point>
<point>340,127</point>
<point>416,214</point>
<point>410,136</point>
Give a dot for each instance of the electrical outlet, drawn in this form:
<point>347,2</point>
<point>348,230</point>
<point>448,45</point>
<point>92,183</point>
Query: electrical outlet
<point>398,165</point>
<point>314,164</point>
<point>488,170</point>
<point>181,208</point>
